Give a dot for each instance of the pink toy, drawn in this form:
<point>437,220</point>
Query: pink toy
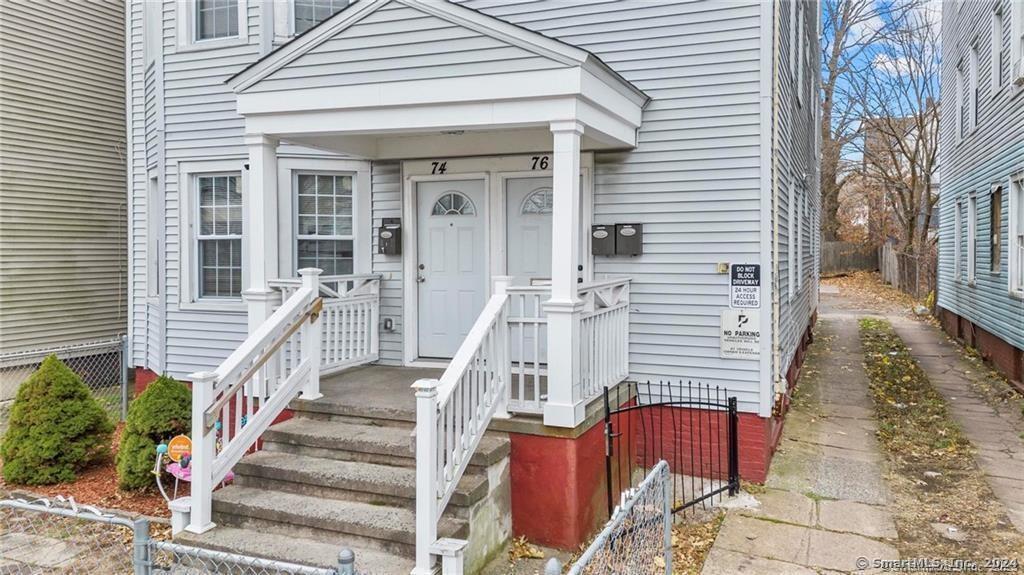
<point>185,473</point>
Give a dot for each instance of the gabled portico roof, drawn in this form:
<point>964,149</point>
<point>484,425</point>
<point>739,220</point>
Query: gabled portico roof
<point>388,67</point>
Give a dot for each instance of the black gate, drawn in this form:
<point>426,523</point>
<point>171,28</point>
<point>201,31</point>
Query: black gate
<point>692,427</point>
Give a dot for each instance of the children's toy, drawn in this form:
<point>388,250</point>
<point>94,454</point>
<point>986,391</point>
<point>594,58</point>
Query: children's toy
<point>179,452</point>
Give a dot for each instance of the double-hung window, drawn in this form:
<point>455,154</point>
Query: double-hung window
<point>801,61</point>
<point>216,19</point>
<point>972,237</point>
<point>1017,41</point>
<point>1017,234</point>
<point>972,120</point>
<point>219,235</point>
<point>309,13</point>
<point>960,98</point>
<point>997,50</point>
<point>324,222</point>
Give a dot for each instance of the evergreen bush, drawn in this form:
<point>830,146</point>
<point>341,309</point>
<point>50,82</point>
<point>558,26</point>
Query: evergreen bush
<point>56,428</point>
<point>159,413</point>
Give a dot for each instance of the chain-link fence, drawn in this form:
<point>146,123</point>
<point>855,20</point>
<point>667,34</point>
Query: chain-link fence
<point>638,537</point>
<point>912,274</point>
<point>58,537</point>
<point>101,365</point>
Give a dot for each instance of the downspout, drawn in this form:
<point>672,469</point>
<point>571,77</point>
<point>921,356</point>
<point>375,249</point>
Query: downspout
<point>780,386</point>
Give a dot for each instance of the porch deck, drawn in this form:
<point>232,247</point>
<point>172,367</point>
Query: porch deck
<point>372,391</point>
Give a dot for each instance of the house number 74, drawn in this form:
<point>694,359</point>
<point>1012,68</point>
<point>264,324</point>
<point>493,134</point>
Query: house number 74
<point>540,162</point>
<point>438,167</point>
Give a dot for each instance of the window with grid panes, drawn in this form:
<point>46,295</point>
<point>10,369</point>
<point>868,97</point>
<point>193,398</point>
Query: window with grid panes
<point>309,13</point>
<point>216,19</point>
<point>324,237</point>
<point>219,236</point>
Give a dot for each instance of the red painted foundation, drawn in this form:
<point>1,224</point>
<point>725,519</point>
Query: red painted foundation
<point>1006,358</point>
<point>559,491</point>
<point>143,377</point>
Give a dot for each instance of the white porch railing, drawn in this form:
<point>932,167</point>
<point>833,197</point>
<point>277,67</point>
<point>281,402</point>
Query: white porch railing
<point>452,415</point>
<point>501,367</point>
<point>604,342</point>
<point>241,398</point>
<point>349,334</point>
<point>604,336</point>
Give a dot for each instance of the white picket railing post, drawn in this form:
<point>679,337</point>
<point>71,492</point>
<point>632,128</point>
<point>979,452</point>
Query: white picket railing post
<point>311,337</point>
<point>204,443</point>
<point>503,360</point>
<point>426,470</point>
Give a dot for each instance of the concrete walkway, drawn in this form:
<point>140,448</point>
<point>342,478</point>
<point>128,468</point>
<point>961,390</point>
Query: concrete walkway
<point>824,505</point>
<point>996,433</point>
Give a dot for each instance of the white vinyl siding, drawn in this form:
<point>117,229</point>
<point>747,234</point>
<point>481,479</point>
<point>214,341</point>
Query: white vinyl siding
<point>63,205</point>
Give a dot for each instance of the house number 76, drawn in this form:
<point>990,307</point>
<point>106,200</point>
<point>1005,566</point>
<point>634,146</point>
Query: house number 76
<point>540,163</point>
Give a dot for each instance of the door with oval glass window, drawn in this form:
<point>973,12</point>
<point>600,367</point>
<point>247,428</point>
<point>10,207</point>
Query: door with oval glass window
<point>452,267</point>
<point>528,258</point>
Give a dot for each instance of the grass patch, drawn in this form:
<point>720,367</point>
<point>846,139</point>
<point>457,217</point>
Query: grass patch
<point>918,435</point>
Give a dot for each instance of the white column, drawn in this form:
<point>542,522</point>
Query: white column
<point>564,408</point>
<point>426,474</point>
<point>312,336</point>
<point>261,228</point>
<point>204,441</point>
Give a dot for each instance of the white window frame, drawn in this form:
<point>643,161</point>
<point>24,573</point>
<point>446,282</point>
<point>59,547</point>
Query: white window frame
<point>288,169</point>
<point>800,55</point>
<point>1016,235</point>
<point>793,36</point>
<point>188,194</point>
<point>972,71</point>
<point>187,28</point>
<point>958,238</point>
<point>995,229</point>
<point>154,235</point>
<point>997,50</point>
<point>791,241</point>
<point>801,217</point>
<point>284,20</point>
<point>958,109</point>
<point>972,238</point>
<point>1017,42</point>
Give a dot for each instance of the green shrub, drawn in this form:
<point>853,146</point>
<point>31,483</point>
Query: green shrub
<point>56,428</point>
<point>162,411</point>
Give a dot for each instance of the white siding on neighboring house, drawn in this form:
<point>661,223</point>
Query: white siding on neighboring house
<point>63,205</point>
<point>978,162</point>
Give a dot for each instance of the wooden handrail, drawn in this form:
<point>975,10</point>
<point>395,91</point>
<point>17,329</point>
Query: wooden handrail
<point>315,307</point>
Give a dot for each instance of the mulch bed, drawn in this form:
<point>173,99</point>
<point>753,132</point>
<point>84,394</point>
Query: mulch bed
<point>97,486</point>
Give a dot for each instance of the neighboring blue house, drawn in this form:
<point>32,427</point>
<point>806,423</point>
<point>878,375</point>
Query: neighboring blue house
<point>981,237</point>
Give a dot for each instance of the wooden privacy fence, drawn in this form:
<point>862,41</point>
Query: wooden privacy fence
<point>845,257</point>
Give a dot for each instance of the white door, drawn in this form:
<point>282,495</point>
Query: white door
<point>451,272</point>
<point>528,252</point>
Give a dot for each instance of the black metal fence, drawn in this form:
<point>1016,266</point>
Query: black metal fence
<point>692,427</point>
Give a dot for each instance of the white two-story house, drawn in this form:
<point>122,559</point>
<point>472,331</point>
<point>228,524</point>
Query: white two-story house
<point>511,205</point>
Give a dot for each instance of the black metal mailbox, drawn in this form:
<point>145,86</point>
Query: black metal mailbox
<point>389,237</point>
<point>629,239</point>
<point>602,240</point>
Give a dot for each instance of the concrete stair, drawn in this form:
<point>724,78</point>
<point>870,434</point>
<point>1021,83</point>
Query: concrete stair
<point>339,476</point>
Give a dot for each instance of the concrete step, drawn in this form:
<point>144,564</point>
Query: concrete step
<point>384,528</point>
<point>333,408</point>
<point>350,480</point>
<point>365,442</point>
<point>295,550</point>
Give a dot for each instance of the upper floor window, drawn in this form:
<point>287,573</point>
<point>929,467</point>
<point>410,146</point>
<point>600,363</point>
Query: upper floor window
<point>972,119</point>
<point>959,108</point>
<point>216,19</point>
<point>309,13</point>
<point>997,50</point>
<point>1017,40</point>
<point>972,237</point>
<point>958,239</point>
